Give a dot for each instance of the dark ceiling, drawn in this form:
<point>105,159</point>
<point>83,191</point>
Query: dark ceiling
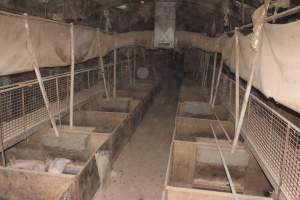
<point>126,15</point>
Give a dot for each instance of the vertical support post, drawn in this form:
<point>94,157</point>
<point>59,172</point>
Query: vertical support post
<point>207,62</point>
<point>218,81</point>
<point>39,76</point>
<point>23,113</point>
<point>203,66</point>
<point>230,96</point>
<point>243,12</point>
<point>237,79</point>
<point>129,69</point>
<point>213,78</point>
<point>101,63</point>
<point>2,145</point>
<point>104,77</point>
<point>58,100</point>
<point>71,123</point>
<point>282,165</point>
<point>134,66</point>
<point>115,73</point>
<point>88,75</point>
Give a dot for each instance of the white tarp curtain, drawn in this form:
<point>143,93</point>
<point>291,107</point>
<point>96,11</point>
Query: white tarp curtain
<point>51,44</point>
<point>278,66</point>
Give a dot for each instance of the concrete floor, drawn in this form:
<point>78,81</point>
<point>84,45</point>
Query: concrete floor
<point>139,172</point>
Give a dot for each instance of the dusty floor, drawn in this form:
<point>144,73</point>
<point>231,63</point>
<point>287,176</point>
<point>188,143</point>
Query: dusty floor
<point>139,172</point>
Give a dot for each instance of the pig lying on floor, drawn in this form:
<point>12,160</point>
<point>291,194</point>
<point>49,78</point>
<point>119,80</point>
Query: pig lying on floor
<point>53,166</point>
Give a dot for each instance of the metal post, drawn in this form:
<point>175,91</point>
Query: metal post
<point>134,66</point>
<point>218,81</point>
<point>101,63</point>
<point>23,113</point>
<point>282,165</point>
<point>243,12</point>
<point>2,145</point>
<point>237,79</point>
<point>203,66</point>
<point>58,100</point>
<point>39,76</point>
<point>213,78</point>
<point>129,69</point>
<point>88,75</point>
<point>104,77</point>
<point>115,73</point>
<point>71,123</point>
<point>207,62</point>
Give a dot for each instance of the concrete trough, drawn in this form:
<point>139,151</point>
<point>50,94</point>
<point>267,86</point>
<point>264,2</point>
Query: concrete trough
<point>117,125</point>
<point>144,92</point>
<point>190,129</point>
<point>131,106</point>
<point>202,110</point>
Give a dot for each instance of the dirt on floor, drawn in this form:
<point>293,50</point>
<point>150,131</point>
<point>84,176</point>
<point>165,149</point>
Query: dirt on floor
<point>139,172</point>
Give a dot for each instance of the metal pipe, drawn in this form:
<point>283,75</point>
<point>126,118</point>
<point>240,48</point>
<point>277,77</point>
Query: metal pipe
<point>115,72</point>
<point>231,184</point>
<point>213,78</point>
<point>286,13</point>
<point>129,69</point>
<point>101,63</point>
<point>71,123</point>
<point>104,77</point>
<point>39,76</point>
<point>134,66</point>
<point>208,56</point>
<point>58,100</point>
<point>243,12</point>
<point>237,79</point>
<point>218,81</point>
<point>2,145</point>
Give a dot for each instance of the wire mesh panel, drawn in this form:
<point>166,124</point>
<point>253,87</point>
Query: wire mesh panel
<point>291,168</point>
<point>267,132</point>
<point>12,109</point>
<point>22,106</point>
<point>275,139</point>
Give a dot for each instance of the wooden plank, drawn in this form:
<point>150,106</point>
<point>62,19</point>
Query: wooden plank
<point>22,184</point>
<point>88,180</point>
<point>177,193</point>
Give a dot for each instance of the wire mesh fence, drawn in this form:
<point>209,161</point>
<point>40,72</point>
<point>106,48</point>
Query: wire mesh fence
<point>275,139</point>
<point>22,106</point>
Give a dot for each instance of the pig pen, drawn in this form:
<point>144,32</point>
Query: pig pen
<point>50,167</point>
<point>116,125</point>
<point>203,110</point>
<point>122,105</point>
<point>195,171</point>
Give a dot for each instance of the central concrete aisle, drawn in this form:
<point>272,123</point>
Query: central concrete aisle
<point>139,172</point>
